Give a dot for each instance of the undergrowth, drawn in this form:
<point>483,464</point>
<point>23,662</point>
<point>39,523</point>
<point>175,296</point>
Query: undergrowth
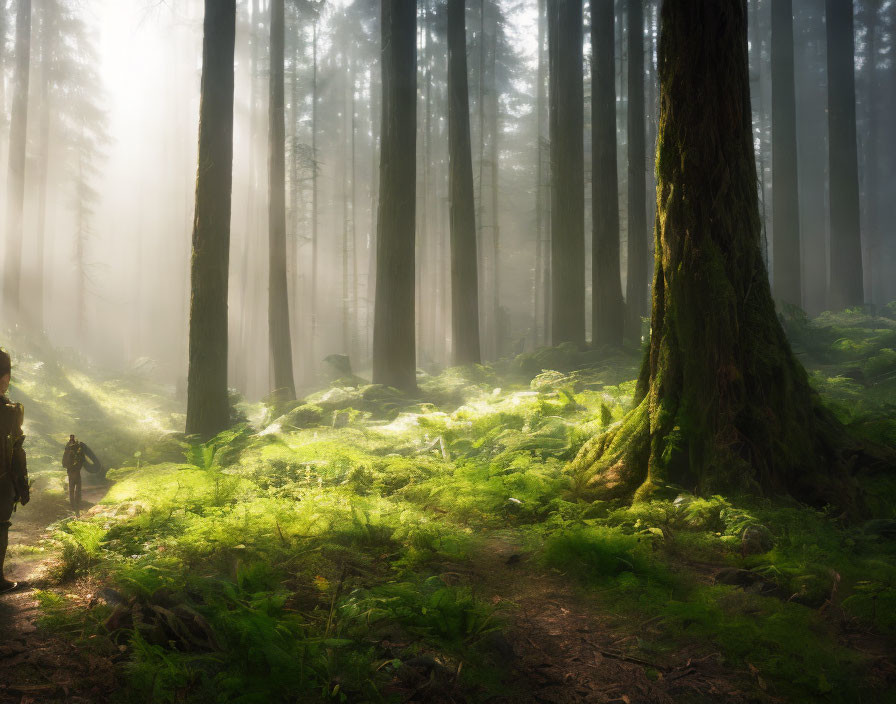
<point>307,552</point>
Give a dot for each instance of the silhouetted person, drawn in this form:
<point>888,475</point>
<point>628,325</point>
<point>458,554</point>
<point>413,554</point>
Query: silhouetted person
<point>13,465</point>
<point>73,461</point>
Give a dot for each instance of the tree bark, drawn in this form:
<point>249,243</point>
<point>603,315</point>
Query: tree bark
<point>722,403</point>
<point>15,180</point>
<point>636,282</point>
<point>394,354</point>
<point>208,409</point>
<point>278,293</point>
<point>785,187</point>
<point>567,172</point>
<point>464,276</point>
<point>43,166</point>
<point>846,287</point>
<point>607,310</point>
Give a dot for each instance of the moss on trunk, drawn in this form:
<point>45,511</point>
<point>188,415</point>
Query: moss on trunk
<point>722,402</point>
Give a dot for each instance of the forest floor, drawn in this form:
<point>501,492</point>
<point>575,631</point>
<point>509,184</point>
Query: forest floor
<point>361,546</point>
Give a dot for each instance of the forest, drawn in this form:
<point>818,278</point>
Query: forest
<point>447,352</point>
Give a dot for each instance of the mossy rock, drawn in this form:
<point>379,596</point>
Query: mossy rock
<point>306,415</point>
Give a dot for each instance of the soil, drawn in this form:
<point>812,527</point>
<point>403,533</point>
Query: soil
<point>35,664</point>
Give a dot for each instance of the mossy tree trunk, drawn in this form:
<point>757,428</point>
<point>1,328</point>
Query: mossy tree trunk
<point>721,401</point>
<point>464,278</point>
<point>208,410</point>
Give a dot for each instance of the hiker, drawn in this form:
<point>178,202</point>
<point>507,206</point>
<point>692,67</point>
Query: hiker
<point>14,487</point>
<point>73,460</point>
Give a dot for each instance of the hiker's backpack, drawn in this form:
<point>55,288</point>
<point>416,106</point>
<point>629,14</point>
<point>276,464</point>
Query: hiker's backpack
<point>73,457</point>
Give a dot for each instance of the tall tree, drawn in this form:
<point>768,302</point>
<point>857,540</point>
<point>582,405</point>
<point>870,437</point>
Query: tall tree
<point>464,278</point>
<point>394,354</point>
<point>15,180</point>
<point>607,309</point>
<point>278,293</point>
<point>636,282</point>
<point>846,281</point>
<point>785,189</point>
<point>715,338</point>
<point>208,409</point>
<point>565,68</point>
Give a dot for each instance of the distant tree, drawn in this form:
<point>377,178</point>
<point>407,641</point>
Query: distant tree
<point>565,67</point>
<point>636,281</point>
<point>700,420</point>
<point>15,180</point>
<point>278,294</point>
<point>785,187</point>
<point>608,313</point>
<point>208,408</point>
<point>394,354</point>
<point>464,279</point>
<point>846,279</point>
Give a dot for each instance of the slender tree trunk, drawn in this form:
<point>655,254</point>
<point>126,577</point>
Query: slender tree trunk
<point>715,339</point>
<point>394,356</point>
<point>785,188</point>
<point>847,287</point>
<point>43,165</point>
<point>464,283</point>
<point>497,332</point>
<point>312,337</point>
<point>537,283</point>
<point>15,181</point>
<point>355,351</point>
<point>608,311</point>
<point>480,183</point>
<point>636,283</point>
<point>567,172</point>
<point>208,409</point>
<point>278,293</point>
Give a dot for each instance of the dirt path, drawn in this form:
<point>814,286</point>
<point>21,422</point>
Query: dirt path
<point>563,650</point>
<point>35,665</point>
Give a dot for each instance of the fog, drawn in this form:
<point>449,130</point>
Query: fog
<point>113,104</point>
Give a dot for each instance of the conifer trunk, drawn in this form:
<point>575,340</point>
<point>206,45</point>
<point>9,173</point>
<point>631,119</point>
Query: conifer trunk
<point>278,293</point>
<point>785,191</point>
<point>394,354</point>
<point>208,409</point>
<point>15,180</point>
<point>721,401</point>
<point>608,312</point>
<point>636,282</point>
<point>567,172</point>
<point>847,288</point>
<point>464,278</point>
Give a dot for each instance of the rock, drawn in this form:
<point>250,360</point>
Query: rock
<point>341,419</point>
<point>305,416</point>
<point>756,539</point>
<point>340,364</point>
<point>549,380</point>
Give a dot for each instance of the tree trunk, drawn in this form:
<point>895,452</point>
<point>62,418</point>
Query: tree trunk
<point>567,172</point>
<point>43,165</point>
<point>541,278</point>
<point>312,337</point>
<point>497,332</point>
<point>722,402</point>
<point>394,355</point>
<point>464,278</point>
<point>785,188</point>
<point>278,292</point>
<point>636,283</point>
<point>608,312</point>
<point>847,287</point>
<point>208,409</point>
<point>15,180</point>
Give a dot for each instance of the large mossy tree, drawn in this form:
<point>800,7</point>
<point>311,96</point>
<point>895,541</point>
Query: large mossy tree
<point>721,402</point>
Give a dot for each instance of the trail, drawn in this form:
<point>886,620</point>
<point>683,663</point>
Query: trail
<point>563,649</point>
<point>36,665</point>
